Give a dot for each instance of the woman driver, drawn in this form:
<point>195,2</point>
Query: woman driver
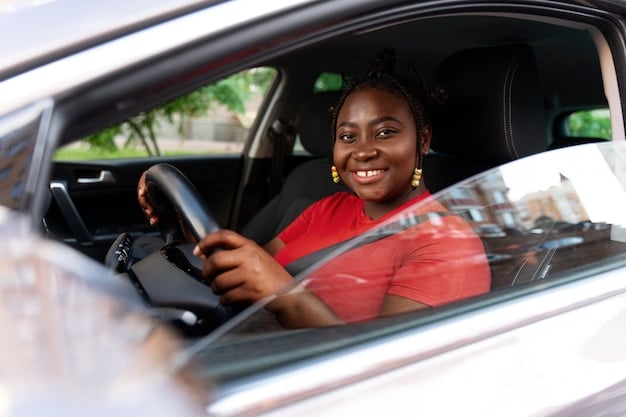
<point>380,133</point>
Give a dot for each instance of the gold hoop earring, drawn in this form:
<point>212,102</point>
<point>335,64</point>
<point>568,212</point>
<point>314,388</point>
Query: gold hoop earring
<point>416,177</point>
<point>335,175</point>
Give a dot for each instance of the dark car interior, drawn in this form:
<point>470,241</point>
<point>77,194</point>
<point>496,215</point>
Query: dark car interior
<point>488,114</point>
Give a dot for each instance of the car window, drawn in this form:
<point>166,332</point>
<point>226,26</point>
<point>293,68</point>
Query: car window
<point>551,225</point>
<point>594,123</point>
<point>535,212</point>
<point>18,135</point>
<point>328,81</point>
<point>214,119</point>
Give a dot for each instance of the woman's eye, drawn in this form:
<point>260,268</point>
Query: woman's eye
<point>346,137</point>
<point>383,133</point>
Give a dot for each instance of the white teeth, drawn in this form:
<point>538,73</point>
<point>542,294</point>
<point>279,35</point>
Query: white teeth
<point>369,173</point>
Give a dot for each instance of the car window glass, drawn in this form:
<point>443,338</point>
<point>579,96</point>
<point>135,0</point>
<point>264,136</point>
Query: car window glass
<point>18,141</point>
<point>328,81</point>
<point>594,123</point>
<point>214,119</point>
<point>544,222</point>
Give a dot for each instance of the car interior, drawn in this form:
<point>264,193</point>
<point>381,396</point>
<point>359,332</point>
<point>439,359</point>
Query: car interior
<point>501,87</point>
<point>473,120</point>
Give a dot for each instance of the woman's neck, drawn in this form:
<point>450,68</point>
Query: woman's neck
<point>375,210</point>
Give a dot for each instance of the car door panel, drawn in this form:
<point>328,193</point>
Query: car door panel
<point>92,202</point>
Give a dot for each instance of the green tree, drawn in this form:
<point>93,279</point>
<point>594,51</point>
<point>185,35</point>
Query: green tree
<point>328,81</point>
<point>231,92</point>
<point>590,123</point>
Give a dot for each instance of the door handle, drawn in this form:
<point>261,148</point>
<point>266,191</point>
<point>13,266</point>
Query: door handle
<point>105,177</point>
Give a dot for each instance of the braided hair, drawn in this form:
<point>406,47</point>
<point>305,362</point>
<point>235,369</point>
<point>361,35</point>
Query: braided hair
<point>381,75</point>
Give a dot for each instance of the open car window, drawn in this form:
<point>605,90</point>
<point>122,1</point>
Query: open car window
<point>542,222</point>
<point>212,120</point>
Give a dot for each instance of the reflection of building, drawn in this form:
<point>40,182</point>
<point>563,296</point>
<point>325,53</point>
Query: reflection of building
<point>488,202</point>
<point>466,202</point>
<point>560,203</point>
<point>495,198</point>
<point>484,203</point>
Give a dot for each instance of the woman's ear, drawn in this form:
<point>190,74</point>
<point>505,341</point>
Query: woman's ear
<point>427,134</point>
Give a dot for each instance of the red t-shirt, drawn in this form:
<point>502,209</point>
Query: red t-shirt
<point>435,262</point>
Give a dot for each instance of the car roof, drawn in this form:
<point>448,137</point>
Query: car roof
<point>68,26</point>
<point>45,29</point>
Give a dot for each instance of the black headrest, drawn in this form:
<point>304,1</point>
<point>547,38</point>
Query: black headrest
<point>314,123</point>
<point>487,104</point>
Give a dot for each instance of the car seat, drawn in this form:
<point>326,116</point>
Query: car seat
<point>307,182</point>
<point>487,109</point>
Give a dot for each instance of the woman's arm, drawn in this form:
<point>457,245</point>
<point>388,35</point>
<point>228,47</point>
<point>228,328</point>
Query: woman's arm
<point>395,304</point>
<point>273,246</point>
<point>244,272</point>
<point>300,308</point>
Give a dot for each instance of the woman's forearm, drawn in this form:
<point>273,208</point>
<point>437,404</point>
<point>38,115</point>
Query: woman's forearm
<point>300,308</point>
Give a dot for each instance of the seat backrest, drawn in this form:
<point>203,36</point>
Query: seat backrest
<point>307,182</point>
<point>487,109</point>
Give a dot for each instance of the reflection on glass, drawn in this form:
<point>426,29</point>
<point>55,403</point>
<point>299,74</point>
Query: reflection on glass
<point>18,133</point>
<point>558,210</point>
<point>548,216</point>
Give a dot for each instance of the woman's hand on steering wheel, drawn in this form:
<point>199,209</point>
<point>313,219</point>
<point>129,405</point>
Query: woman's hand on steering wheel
<point>243,272</point>
<point>142,198</point>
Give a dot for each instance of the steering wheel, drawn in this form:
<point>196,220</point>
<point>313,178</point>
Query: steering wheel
<point>175,201</point>
<point>170,278</point>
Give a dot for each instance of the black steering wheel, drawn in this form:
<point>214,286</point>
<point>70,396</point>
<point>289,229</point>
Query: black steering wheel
<point>175,201</point>
<point>170,278</point>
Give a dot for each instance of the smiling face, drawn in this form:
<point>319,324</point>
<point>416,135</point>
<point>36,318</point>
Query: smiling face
<point>375,148</point>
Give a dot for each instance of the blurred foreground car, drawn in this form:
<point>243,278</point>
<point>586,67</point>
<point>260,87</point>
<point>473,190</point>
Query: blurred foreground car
<point>528,126</point>
<point>75,341</point>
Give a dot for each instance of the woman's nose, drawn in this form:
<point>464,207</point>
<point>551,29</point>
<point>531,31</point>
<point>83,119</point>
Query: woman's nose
<point>365,151</point>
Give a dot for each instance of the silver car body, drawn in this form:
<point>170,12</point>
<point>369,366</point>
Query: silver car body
<point>558,352</point>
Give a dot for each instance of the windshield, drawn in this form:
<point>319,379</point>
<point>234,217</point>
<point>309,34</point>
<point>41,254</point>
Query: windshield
<point>547,219</point>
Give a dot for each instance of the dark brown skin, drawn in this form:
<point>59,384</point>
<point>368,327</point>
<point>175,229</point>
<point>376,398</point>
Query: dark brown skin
<point>142,197</point>
<point>376,133</point>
